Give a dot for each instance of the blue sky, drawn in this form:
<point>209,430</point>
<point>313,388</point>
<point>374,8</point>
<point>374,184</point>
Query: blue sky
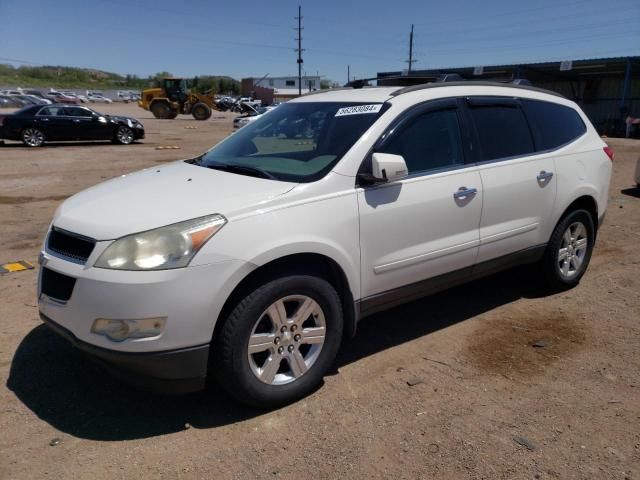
<point>254,38</point>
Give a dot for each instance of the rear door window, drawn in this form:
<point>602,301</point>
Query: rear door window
<point>502,129</point>
<point>553,125</point>
<point>78,112</point>
<point>51,111</point>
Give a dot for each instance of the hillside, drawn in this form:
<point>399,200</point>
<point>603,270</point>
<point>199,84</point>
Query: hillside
<point>71,77</point>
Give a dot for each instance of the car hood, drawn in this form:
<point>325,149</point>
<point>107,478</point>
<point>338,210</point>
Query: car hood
<point>161,196</point>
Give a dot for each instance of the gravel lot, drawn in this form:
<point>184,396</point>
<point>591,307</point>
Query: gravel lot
<point>446,387</point>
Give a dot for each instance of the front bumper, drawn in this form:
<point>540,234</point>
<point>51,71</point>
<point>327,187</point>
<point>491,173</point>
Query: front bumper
<point>170,372</point>
<point>189,298</point>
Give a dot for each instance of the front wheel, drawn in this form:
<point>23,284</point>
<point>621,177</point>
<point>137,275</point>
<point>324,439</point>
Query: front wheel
<point>33,137</point>
<point>279,341</point>
<point>161,110</point>
<point>124,135</point>
<point>569,251</point>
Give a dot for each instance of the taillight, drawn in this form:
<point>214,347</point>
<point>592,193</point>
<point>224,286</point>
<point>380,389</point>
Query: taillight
<point>609,151</point>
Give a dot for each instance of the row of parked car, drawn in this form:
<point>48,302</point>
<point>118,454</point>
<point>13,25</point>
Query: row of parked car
<point>24,97</point>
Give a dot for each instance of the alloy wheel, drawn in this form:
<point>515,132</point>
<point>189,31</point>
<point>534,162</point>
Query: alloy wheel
<point>125,135</point>
<point>286,340</point>
<point>33,137</point>
<point>573,250</point>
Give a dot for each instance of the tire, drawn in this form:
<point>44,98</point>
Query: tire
<point>172,115</point>
<point>201,111</point>
<point>161,110</point>
<point>254,379</point>
<point>574,238</point>
<point>32,137</point>
<point>124,135</point>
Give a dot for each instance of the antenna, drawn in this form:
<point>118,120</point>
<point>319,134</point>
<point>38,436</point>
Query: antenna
<point>299,49</point>
<point>411,61</point>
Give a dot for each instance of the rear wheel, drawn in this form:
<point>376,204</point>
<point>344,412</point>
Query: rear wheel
<point>172,115</point>
<point>569,250</point>
<point>279,341</point>
<point>201,111</point>
<point>33,137</point>
<point>124,135</point>
<point>161,110</point>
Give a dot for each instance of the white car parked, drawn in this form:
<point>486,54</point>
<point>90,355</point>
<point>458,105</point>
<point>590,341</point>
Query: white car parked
<point>251,262</point>
<point>94,98</point>
<point>251,115</point>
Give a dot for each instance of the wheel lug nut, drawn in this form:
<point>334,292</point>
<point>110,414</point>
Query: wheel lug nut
<point>277,340</point>
<point>283,329</point>
<point>290,348</point>
<point>280,349</point>
<point>294,328</point>
<point>297,337</point>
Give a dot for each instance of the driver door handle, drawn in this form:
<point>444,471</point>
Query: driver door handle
<point>464,192</point>
<point>543,176</point>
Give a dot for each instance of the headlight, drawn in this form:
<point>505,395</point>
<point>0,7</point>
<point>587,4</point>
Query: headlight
<point>130,123</point>
<point>167,247</point>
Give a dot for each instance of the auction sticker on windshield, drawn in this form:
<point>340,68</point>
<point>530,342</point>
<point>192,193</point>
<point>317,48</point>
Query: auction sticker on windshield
<point>358,110</point>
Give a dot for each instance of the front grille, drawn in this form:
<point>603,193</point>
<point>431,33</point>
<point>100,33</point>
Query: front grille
<point>57,285</point>
<point>70,245</point>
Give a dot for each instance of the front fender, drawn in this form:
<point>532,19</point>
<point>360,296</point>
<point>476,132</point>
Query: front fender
<point>322,247</point>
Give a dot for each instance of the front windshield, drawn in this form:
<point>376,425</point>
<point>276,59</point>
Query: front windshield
<point>296,142</point>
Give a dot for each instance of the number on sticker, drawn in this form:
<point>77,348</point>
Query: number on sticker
<point>359,110</point>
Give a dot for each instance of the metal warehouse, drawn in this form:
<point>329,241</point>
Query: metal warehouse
<point>607,89</point>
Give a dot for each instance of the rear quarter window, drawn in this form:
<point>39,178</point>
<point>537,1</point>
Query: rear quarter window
<point>553,125</point>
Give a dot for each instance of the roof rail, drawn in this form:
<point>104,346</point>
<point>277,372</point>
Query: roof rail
<point>479,83</point>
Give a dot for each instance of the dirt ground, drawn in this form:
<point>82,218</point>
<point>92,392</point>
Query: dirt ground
<point>448,387</point>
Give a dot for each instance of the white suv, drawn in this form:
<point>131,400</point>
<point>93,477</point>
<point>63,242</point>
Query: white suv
<point>252,261</point>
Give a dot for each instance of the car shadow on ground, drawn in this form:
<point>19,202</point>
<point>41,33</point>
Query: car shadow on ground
<point>79,398</point>
<point>632,192</point>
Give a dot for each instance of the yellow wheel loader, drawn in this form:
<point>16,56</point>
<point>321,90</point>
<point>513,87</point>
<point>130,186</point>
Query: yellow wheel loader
<point>173,98</point>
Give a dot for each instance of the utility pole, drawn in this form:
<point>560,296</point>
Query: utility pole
<point>348,73</point>
<point>299,49</point>
<point>411,61</point>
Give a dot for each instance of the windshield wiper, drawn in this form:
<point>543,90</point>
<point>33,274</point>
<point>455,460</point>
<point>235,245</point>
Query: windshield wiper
<point>241,169</point>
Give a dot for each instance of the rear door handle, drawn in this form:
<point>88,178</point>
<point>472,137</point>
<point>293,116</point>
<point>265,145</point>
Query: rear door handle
<point>543,176</point>
<point>464,192</point>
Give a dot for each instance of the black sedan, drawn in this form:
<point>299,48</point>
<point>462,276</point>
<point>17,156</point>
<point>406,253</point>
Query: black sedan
<point>37,124</point>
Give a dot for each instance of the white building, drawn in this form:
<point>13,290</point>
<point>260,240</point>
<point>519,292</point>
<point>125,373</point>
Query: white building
<point>283,88</point>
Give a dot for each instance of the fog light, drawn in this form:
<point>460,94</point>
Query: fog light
<point>119,330</point>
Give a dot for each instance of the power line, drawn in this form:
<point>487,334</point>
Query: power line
<point>519,12</point>
<point>484,27</point>
<point>500,36</point>
<point>26,62</point>
<point>448,51</point>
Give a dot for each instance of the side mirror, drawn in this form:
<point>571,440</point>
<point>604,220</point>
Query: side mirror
<point>385,168</point>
